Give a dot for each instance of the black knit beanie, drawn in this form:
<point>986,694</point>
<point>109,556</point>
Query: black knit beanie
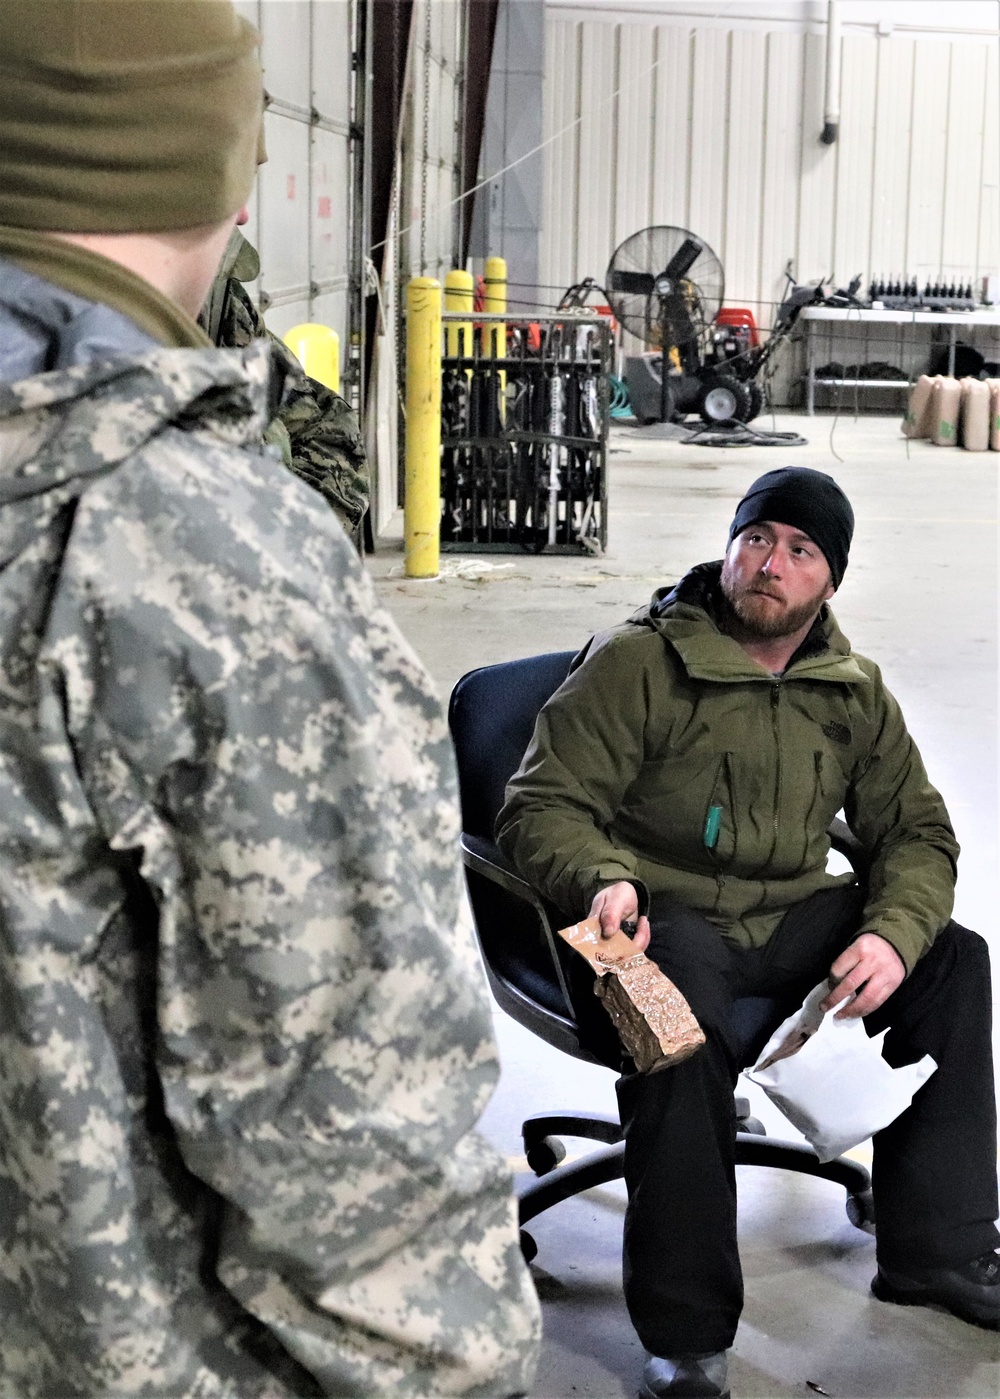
<point>808,500</point>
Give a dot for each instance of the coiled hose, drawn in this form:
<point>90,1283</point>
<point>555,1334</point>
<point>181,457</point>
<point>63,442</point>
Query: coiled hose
<point>620,406</point>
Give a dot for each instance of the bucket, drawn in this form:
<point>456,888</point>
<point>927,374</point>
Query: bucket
<point>945,404</point>
<point>917,422</point>
<point>975,422</point>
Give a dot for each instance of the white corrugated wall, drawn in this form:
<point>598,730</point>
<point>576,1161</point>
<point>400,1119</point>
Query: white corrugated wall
<point>717,129</point>
<point>301,211</point>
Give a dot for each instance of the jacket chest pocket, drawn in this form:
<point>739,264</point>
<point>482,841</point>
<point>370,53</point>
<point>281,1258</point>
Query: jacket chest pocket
<point>831,785</point>
<point>682,808</point>
<point>828,790</point>
<point>720,827</point>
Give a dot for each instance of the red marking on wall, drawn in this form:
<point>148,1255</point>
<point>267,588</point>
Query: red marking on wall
<point>291,187</point>
<point>325,207</point>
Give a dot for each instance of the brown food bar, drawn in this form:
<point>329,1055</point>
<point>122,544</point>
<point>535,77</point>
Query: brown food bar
<point>653,1020</point>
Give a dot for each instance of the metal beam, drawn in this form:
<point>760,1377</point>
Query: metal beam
<point>480,30</point>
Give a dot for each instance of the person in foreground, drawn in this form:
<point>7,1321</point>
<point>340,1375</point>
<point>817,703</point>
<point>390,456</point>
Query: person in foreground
<point>682,780</point>
<point>243,1042</point>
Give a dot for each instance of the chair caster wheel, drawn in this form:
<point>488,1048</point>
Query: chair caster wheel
<point>861,1211</point>
<point>528,1246</point>
<point>744,1122</point>
<point>544,1156</point>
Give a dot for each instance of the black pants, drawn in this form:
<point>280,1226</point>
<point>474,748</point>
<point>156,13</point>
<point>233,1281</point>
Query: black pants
<point>934,1173</point>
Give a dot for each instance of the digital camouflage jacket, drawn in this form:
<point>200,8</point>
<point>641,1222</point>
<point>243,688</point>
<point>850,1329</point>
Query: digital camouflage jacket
<point>671,759</point>
<point>315,429</point>
<point>243,1042</point>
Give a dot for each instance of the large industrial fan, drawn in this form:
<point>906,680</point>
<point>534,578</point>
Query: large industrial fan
<point>665,286</point>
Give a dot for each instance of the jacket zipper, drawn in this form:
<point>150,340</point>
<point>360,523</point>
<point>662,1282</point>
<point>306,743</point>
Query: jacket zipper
<point>714,816</point>
<point>775,696</point>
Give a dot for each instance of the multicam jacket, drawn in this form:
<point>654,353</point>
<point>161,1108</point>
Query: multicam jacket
<point>315,429</point>
<point>243,1043</point>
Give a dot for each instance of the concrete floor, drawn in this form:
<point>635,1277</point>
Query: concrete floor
<point>920,597</point>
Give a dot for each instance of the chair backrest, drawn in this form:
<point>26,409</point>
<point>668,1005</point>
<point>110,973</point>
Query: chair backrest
<point>492,717</point>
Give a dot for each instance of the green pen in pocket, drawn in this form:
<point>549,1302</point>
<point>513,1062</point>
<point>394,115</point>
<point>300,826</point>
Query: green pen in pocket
<point>712,823</point>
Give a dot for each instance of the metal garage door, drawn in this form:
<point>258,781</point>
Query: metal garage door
<point>300,216</point>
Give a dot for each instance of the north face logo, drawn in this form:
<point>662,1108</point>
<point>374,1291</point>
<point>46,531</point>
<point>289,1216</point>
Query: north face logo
<point>840,733</point>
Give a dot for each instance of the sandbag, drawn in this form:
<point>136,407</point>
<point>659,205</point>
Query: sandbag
<point>994,387</point>
<point>946,400</point>
<point>975,419</point>
<point>917,422</point>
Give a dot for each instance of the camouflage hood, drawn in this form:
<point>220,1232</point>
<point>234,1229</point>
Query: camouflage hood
<point>83,387</point>
<point>62,427</point>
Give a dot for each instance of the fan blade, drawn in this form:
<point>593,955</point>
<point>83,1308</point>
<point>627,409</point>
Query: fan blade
<point>636,283</point>
<point>683,259</point>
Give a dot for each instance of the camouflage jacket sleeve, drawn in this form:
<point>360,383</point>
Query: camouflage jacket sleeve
<point>315,429</point>
<point>246,717</point>
<point>325,442</point>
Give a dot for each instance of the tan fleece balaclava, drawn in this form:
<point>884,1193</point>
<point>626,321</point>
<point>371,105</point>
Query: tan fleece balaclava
<point>126,116</point>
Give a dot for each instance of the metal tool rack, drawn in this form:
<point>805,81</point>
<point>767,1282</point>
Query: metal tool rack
<point>524,430</point>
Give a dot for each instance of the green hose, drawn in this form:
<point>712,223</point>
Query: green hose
<point>620,406</point>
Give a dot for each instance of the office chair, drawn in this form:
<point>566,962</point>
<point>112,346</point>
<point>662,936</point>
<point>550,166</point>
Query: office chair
<point>492,716</point>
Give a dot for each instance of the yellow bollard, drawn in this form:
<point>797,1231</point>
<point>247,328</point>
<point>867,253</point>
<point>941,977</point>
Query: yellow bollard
<point>317,349</point>
<point>422,499</point>
<point>495,278</point>
<point>458,290</point>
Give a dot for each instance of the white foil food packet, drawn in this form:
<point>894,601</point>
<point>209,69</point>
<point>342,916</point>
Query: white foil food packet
<point>830,1080</point>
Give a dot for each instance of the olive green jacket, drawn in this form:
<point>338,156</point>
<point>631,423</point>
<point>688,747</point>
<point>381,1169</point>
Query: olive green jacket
<point>671,759</point>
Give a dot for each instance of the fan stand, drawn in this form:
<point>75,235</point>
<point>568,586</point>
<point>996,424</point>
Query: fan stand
<point>664,389</point>
<point>664,386</point>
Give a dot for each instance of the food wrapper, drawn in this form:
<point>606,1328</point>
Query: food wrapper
<point>830,1079</point>
<point>653,1020</point>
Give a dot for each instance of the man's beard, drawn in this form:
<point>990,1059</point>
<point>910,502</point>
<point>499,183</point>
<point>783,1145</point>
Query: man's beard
<point>753,618</point>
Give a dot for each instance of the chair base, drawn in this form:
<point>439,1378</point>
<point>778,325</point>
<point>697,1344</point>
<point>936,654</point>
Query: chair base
<point>544,1151</point>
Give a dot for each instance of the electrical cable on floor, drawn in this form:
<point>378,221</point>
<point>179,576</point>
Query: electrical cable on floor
<point>836,416</point>
<point>734,434</point>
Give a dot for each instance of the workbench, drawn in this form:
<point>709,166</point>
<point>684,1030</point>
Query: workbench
<point>955,322</point>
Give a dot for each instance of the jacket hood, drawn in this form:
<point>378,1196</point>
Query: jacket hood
<point>81,422</point>
<point>687,615</point>
<point>45,327</point>
<point>82,386</point>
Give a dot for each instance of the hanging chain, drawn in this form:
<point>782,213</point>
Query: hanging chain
<point>394,249</point>
<point>425,154</point>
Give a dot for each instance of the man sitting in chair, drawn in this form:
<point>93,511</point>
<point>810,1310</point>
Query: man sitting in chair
<point>680,784</point>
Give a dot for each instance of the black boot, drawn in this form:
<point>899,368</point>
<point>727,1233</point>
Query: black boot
<point>968,1290</point>
<point>697,1376</point>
